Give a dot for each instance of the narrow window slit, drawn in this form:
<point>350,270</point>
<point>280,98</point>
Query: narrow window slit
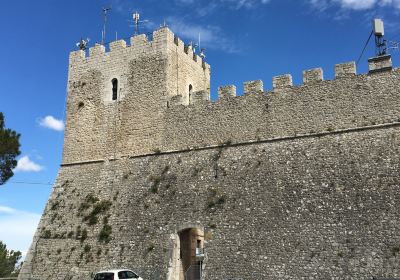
<point>114,89</point>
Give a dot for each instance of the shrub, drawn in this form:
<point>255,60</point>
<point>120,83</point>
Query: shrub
<point>84,235</point>
<point>150,248</point>
<point>87,248</point>
<point>105,233</point>
<point>47,234</point>
<point>98,209</point>
<point>98,252</point>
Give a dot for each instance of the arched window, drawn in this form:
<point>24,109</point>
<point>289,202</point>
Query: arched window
<point>190,93</point>
<point>114,89</point>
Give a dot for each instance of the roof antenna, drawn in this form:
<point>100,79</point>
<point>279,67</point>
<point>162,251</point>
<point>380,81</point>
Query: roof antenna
<point>202,53</point>
<point>103,33</point>
<point>194,46</point>
<point>164,24</point>
<point>82,44</point>
<point>380,43</point>
<point>202,50</point>
<point>137,21</point>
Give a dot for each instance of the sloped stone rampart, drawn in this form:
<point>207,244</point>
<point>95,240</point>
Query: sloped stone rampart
<point>313,207</point>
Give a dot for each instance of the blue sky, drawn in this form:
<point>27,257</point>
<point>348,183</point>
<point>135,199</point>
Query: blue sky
<point>244,40</point>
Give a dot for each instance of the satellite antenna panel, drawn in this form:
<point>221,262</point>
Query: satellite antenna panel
<point>380,42</point>
<point>378,27</point>
<point>137,21</point>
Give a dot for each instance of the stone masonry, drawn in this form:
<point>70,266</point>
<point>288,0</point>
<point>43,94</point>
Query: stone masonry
<point>300,182</point>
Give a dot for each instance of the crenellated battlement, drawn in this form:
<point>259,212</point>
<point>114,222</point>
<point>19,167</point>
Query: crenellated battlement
<point>310,77</point>
<point>163,40</point>
<point>348,101</point>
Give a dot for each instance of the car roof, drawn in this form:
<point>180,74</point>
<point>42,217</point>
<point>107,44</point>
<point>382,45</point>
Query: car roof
<point>115,270</point>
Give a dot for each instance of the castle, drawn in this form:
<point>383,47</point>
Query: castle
<point>300,182</point>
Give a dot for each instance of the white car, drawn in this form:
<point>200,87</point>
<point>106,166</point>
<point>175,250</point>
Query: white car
<point>117,274</point>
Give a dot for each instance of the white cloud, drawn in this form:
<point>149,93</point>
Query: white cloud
<point>25,164</point>
<point>52,123</point>
<point>237,4</point>
<point>211,36</point>
<point>17,228</point>
<point>6,210</point>
<point>355,4</point>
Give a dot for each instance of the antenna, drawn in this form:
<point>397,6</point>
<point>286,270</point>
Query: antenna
<point>202,50</point>
<point>103,33</point>
<point>82,44</point>
<point>380,43</point>
<point>393,45</point>
<point>137,21</point>
<point>194,46</point>
<point>202,53</point>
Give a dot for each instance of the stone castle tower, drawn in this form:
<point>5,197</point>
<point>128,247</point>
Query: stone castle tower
<point>299,182</point>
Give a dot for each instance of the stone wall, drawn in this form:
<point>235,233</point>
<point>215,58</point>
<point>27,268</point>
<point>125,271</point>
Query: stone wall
<point>322,206</point>
<point>155,112</point>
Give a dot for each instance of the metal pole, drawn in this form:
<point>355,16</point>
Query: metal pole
<point>103,39</point>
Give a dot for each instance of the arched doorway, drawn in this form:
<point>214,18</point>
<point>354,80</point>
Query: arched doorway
<point>187,256</point>
<point>191,253</point>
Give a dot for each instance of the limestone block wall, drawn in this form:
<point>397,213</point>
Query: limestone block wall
<point>320,206</point>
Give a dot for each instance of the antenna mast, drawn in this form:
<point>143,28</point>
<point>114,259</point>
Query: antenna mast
<point>137,21</point>
<point>380,43</point>
<point>82,44</point>
<point>103,33</point>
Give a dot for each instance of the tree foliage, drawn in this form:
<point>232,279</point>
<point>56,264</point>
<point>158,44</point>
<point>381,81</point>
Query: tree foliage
<point>8,261</point>
<point>9,150</point>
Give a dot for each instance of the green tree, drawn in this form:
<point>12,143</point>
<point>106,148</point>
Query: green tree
<point>8,260</point>
<point>9,150</point>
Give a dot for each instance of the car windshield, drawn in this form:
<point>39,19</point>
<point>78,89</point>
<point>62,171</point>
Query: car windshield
<point>127,275</point>
<point>104,276</point>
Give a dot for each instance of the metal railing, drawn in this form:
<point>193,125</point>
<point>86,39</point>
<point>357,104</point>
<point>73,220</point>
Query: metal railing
<point>194,272</point>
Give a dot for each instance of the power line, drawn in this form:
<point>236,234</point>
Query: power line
<point>31,183</point>
<point>365,46</point>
